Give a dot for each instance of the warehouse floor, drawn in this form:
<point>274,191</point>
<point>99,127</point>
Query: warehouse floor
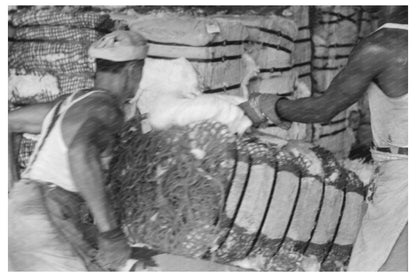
<point>150,260</point>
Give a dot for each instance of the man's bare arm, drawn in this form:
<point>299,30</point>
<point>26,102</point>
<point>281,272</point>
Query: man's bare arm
<point>365,63</point>
<point>12,161</point>
<point>91,138</point>
<point>29,119</point>
<point>84,160</point>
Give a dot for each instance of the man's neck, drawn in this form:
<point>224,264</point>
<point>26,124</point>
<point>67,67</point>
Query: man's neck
<point>111,84</point>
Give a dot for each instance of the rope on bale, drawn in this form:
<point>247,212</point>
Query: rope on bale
<point>189,190</point>
<point>269,200</point>
<point>290,220</point>
<point>321,202</point>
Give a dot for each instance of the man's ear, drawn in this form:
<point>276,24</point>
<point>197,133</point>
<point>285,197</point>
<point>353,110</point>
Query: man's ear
<point>134,75</point>
<point>135,69</point>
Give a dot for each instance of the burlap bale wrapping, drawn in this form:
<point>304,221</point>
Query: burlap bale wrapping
<point>200,192</point>
<point>54,16</point>
<point>50,57</point>
<point>48,33</point>
<point>26,148</point>
<point>69,84</point>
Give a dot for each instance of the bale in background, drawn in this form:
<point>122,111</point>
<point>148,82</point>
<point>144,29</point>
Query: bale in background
<point>48,56</point>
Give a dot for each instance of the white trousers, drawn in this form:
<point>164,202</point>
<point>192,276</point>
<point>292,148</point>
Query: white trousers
<point>385,218</point>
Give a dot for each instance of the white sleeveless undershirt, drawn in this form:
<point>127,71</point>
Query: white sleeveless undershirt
<point>389,115</point>
<point>51,163</point>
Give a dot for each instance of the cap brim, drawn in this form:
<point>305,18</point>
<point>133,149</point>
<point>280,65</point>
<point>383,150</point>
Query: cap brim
<point>119,53</point>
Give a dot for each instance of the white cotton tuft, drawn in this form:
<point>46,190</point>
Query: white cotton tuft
<point>302,90</point>
<point>170,95</point>
<point>257,263</point>
<point>310,263</point>
<point>172,111</point>
<point>32,86</point>
<point>173,78</point>
<point>364,171</point>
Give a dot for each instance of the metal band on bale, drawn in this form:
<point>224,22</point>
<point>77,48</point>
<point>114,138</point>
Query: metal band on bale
<point>213,60</point>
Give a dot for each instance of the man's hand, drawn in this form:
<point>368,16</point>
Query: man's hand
<point>113,250</point>
<point>261,107</point>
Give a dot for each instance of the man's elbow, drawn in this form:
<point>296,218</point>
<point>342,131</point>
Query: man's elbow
<point>15,127</point>
<point>82,150</point>
<point>77,150</point>
<point>326,117</point>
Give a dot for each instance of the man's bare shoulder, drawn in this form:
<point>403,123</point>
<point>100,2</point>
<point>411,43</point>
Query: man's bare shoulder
<point>382,57</point>
<point>384,43</point>
<point>367,48</point>
<point>101,106</point>
<point>99,111</point>
<point>379,50</point>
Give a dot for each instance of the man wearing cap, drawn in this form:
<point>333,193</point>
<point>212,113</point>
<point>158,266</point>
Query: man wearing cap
<point>65,172</point>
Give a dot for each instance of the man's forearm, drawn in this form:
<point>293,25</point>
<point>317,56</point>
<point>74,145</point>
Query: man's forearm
<point>309,110</point>
<point>28,119</point>
<point>12,163</point>
<point>88,177</point>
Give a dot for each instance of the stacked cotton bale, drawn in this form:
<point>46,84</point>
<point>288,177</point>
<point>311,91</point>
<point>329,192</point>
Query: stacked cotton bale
<point>271,45</point>
<point>302,55</point>
<point>335,34</point>
<point>48,57</point>
<point>199,191</point>
<point>296,215</point>
<point>214,48</point>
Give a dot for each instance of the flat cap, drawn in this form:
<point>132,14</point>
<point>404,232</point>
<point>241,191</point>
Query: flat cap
<point>119,46</point>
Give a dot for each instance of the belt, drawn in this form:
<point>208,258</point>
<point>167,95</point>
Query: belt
<point>393,150</point>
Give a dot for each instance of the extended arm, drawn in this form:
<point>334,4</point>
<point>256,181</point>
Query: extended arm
<point>365,63</point>
<point>13,140</point>
<point>28,119</point>
<point>92,137</point>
